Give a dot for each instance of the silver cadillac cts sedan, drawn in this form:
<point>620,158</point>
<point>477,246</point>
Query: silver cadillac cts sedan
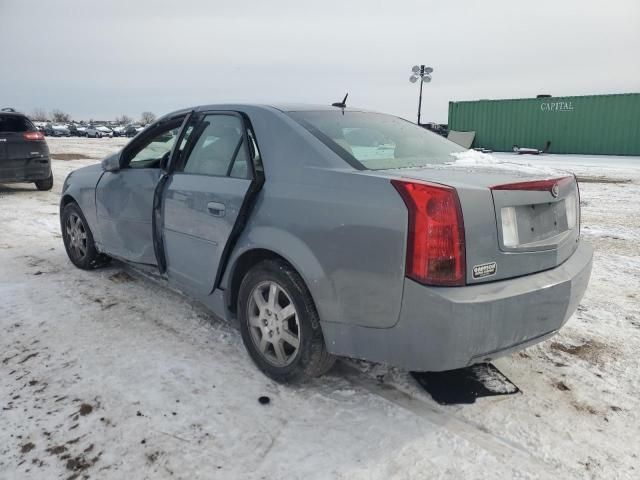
<point>337,232</point>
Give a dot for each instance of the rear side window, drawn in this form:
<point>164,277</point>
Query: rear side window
<point>15,124</point>
<point>219,148</point>
<point>375,141</point>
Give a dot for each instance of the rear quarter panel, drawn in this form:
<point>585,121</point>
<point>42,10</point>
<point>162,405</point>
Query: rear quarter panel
<point>345,234</point>
<point>342,230</point>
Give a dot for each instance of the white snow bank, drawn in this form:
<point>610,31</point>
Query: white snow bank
<point>473,158</point>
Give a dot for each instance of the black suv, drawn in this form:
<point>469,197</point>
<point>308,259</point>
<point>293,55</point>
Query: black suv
<point>24,154</point>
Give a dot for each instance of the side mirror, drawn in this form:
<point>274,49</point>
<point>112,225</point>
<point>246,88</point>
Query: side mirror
<point>111,163</point>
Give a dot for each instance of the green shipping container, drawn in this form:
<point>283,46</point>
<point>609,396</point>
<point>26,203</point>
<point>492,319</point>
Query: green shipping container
<point>594,124</point>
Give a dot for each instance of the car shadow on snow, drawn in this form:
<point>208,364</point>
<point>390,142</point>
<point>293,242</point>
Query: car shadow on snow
<point>13,188</point>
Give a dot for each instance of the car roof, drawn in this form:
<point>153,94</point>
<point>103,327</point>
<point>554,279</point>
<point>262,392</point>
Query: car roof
<point>305,107</point>
<point>12,114</point>
<point>283,107</point>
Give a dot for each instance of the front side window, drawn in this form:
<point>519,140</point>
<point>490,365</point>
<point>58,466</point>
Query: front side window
<point>154,152</point>
<point>377,141</point>
<point>218,148</point>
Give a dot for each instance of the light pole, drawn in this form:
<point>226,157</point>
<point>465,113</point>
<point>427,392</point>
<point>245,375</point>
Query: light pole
<point>424,74</point>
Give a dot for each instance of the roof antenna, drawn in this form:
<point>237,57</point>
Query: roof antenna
<point>342,104</point>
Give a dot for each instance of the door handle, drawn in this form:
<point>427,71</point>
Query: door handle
<point>216,209</point>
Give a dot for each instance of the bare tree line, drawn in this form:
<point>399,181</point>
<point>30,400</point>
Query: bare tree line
<point>58,116</point>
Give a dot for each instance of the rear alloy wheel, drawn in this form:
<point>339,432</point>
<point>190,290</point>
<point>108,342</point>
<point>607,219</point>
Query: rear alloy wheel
<point>46,184</point>
<point>280,325</point>
<point>78,240</point>
<point>273,324</point>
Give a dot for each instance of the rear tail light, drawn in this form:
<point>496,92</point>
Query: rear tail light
<point>435,245</point>
<point>32,136</point>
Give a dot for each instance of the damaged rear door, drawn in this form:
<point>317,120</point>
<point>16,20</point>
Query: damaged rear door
<point>207,198</point>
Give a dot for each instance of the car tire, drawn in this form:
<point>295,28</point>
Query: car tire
<point>46,184</point>
<point>78,239</point>
<point>285,315</point>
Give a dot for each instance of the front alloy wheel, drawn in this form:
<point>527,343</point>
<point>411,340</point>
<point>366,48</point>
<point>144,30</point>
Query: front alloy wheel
<point>78,240</point>
<point>77,235</point>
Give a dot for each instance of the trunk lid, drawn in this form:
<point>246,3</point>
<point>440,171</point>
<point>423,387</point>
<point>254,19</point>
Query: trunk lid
<point>18,156</point>
<point>518,219</point>
<point>17,148</point>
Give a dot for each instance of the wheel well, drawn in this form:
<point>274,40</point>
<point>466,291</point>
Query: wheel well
<point>245,262</point>
<point>66,200</point>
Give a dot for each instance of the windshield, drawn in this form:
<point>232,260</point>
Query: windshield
<point>376,141</point>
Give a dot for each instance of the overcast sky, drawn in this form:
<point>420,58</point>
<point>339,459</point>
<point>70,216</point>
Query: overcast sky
<point>99,59</point>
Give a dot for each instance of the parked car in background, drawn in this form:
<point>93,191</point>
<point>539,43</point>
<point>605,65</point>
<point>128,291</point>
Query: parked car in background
<point>24,155</point>
<point>294,221</point>
<point>106,131</point>
<point>40,126</point>
<point>73,130</point>
<point>82,130</point>
<point>118,131</point>
<point>92,132</point>
<point>98,131</point>
<point>55,130</point>
<point>60,131</point>
<point>131,130</point>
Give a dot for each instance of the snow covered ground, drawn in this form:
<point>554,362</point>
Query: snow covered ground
<point>110,374</point>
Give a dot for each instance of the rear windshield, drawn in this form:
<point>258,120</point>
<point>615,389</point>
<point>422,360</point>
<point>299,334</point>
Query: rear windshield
<point>376,141</point>
<point>15,124</point>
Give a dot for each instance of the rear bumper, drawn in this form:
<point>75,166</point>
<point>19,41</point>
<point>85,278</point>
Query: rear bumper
<point>442,328</point>
<point>27,170</point>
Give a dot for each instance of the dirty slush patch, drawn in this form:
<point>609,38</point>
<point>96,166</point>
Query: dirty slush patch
<point>55,437</point>
<point>591,351</point>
